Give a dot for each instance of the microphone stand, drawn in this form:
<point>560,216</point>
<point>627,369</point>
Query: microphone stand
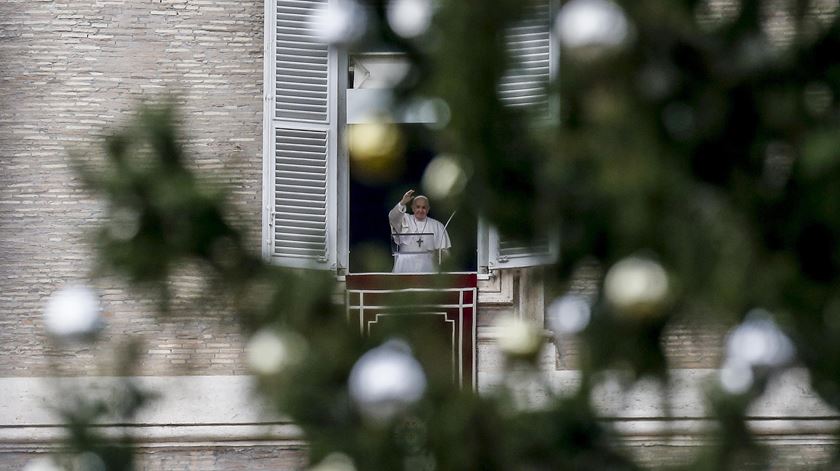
<point>440,251</point>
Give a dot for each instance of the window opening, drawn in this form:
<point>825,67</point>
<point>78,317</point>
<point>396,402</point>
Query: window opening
<point>371,198</point>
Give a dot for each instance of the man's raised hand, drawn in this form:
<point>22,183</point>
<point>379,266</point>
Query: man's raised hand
<point>407,197</point>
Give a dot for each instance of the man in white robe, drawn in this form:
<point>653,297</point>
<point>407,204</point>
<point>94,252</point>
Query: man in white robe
<point>421,240</point>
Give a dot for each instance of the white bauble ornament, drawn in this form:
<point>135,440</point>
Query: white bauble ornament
<point>444,177</point>
<point>736,377</point>
<point>338,22</point>
<point>593,24</point>
<point>409,18</point>
<point>637,286</point>
<point>386,381</point>
<point>519,338</point>
<point>73,312</point>
<point>569,314</point>
<point>269,351</point>
<point>758,341</point>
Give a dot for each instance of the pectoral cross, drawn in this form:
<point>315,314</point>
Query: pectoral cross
<point>419,242</point>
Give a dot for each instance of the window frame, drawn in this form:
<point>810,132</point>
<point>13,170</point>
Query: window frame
<point>338,167</point>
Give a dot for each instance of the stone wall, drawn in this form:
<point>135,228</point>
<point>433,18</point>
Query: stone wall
<point>72,69</point>
<point>69,71</point>
<point>254,457</point>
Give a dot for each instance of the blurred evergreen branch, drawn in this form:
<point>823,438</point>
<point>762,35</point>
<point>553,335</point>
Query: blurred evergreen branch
<point>313,392</point>
<point>700,143</point>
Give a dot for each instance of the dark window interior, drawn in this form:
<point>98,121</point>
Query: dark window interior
<point>371,199</point>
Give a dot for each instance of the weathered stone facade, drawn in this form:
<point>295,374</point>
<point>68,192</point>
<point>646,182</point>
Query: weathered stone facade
<point>198,458</point>
<point>72,69</point>
<point>69,71</point>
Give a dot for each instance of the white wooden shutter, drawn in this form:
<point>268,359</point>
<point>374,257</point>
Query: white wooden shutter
<point>533,52</point>
<point>511,253</point>
<point>531,48</point>
<point>303,85</point>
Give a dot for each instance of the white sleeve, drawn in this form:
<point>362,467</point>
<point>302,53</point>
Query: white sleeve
<point>395,216</point>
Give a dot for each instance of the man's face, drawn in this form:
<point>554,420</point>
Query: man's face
<point>421,208</point>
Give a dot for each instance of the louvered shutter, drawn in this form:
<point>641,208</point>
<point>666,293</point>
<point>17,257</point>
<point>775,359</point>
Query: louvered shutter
<point>532,49</point>
<point>302,121</point>
<point>511,253</point>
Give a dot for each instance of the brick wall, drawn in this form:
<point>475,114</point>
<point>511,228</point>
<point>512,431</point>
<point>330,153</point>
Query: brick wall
<point>70,70</point>
<point>252,457</point>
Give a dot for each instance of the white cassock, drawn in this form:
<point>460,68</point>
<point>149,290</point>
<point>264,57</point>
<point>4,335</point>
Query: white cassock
<point>416,253</point>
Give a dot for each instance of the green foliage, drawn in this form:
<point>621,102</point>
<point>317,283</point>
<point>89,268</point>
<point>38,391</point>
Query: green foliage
<point>85,447</point>
<point>702,143</point>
